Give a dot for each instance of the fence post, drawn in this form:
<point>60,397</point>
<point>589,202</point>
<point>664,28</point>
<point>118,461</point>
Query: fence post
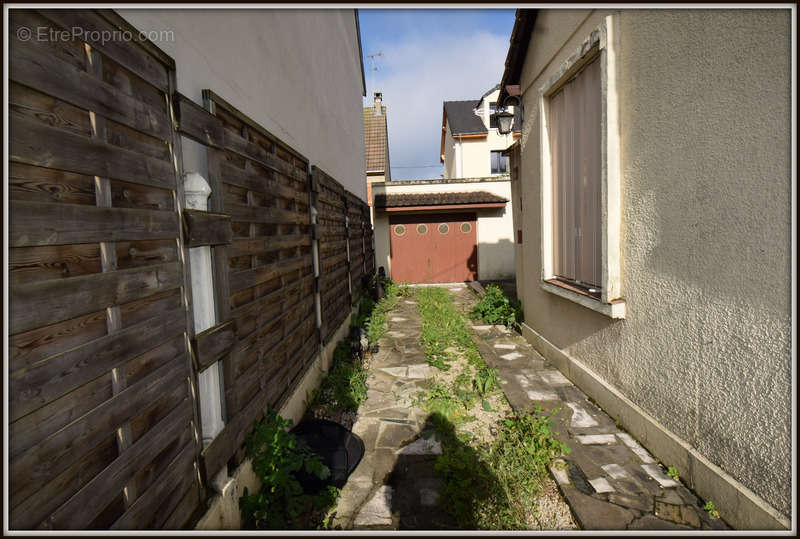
<point>313,190</point>
<point>196,193</point>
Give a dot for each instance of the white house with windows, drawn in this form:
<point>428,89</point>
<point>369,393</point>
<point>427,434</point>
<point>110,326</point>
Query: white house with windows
<point>472,147</point>
<point>652,189</point>
<point>457,228</point>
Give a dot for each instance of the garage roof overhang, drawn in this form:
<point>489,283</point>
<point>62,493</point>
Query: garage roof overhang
<point>438,201</point>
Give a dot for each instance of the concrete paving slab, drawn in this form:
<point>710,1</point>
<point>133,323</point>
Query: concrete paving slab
<point>655,472</point>
<point>591,439</point>
<point>601,485</point>
<point>378,510</point>
<point>580,417</point>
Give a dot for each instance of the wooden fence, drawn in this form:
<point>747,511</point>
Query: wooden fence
<point>104,427</point>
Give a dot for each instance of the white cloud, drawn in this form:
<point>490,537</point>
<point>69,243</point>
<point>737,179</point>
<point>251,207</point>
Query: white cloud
<point>416,75</point>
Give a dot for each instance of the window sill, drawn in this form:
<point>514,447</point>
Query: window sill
<point>615,309</point>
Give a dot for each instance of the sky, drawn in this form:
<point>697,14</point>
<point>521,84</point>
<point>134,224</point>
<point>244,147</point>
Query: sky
<point>429,56</point>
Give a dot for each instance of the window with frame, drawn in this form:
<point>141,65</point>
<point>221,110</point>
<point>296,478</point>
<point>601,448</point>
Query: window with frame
<point>499,162</point>
<point>492,119</point>
<point>574,122</point>
<point>581,203</point>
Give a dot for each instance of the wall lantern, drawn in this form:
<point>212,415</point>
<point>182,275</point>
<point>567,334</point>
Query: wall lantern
<point>505,119</point>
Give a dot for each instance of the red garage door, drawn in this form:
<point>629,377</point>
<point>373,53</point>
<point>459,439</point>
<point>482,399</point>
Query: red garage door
<point>433,248</point>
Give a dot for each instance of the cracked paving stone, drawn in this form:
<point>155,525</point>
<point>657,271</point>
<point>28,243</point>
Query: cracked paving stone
<point>378,510</point>
<point>650,522</point>
<point>554,378</point>
<point>640,503</point>
<point>580,417</point>
<point>592,439</point>
<point>595,514</point>
<point>628,440</point>
<point>601,485</point>
<point>394,435</point>
<point>615,471</point>
<point>421,446</point>
<point>655,472</point>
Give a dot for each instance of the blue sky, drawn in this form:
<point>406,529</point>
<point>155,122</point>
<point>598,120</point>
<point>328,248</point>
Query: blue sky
<point>429,56</point>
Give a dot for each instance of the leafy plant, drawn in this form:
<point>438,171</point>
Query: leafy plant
<point>673,473</point>
<point>497,308</point>
<point>277,455</point>
<point>444,330</point>
<point>345,386</point>
<point>486,380</point>
<point>712,511</point>
<point>494,486</point>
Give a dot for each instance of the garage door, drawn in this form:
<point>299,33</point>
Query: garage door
<point>433,248</point>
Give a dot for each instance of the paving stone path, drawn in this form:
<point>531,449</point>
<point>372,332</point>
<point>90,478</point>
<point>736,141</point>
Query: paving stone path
<point>395,485</point>
<point>609,480</point>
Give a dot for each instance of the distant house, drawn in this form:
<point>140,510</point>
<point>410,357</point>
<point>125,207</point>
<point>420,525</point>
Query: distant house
<point>458,228</point>
<point>471,145</point>
<point>376,144</point>
<point>653,212</point>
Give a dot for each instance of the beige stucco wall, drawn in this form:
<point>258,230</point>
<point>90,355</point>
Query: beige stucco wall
<point>705,125</point>
<point>295,72</point>
<point>495,226</point>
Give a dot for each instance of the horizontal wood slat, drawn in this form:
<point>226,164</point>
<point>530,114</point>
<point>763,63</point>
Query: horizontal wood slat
<point>35,143</point>
<point>206,228</point>
<point>213,344</point>
<point>79,510</point>
<point>125,52</point>
<point>46,302</point>
<point>34,66</point>
<point>37,223</point>
<point>34,468</point>
<point>39,384</point>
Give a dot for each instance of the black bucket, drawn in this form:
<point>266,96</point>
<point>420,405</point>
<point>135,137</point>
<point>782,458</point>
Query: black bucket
<point>339,449</point>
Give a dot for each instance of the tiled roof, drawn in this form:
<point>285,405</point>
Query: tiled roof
<point>461,118</point>
<point>436,199</point>
<point>375,139</point>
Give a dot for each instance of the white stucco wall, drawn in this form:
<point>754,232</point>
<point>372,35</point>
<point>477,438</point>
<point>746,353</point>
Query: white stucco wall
<point>494,226</point>
<point>295,72</point>
<point>474,153</point>
<point>705,130</point>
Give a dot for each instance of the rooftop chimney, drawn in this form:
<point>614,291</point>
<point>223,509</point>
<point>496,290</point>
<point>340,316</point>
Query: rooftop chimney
<point>378,110</point>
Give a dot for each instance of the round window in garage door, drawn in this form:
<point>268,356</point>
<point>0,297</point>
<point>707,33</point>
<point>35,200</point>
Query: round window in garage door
<point>444,228</point>
<point>399,230</point>
<point>422,229</point>
<point>466,228</point>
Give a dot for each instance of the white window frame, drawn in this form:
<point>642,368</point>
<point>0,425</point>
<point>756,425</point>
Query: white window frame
<point>603,42</point>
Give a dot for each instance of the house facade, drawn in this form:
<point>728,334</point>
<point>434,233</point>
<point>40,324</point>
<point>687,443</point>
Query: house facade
<point>376,145</point>
<point>193,259</point>
<point>430,231</point>
<point>652,189</point>
<point>472,147</point>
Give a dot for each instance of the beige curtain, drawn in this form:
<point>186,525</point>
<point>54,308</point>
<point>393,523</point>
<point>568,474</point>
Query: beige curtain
<point>574,131</point>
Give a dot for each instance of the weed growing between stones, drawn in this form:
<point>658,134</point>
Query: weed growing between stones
<point>281,503</point>
<point>494,462</point>
<point>445,333</point>
<point>374,320</point>
<point>344,388</point>
<point>495,307</point>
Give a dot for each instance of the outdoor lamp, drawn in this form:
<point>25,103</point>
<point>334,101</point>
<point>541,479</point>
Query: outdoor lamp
<point>505,120</point>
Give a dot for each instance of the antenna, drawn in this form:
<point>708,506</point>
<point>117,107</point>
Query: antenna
<point>373,67</point>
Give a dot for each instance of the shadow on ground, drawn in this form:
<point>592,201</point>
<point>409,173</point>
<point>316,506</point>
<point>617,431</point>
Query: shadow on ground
<point>450,498</point>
